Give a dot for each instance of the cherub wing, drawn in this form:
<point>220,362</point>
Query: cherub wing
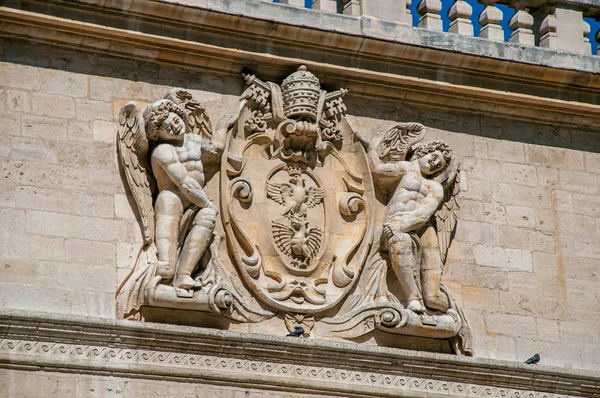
<point>399,139</point>
<point>447,214</point>
<point>132,146</point>
<point>313,242</point>
<point>282,234</point>
<point>314,196</point>
<point>197,117</point>
<point>279,192</point>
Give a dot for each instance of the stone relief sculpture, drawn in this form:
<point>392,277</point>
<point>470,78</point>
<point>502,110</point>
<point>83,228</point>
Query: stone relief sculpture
<point>419,183</point>
<point>308,218</point>
<point>164,153</point>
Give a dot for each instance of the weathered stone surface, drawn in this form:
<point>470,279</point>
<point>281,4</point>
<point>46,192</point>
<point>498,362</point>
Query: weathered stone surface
<point>527,244</point>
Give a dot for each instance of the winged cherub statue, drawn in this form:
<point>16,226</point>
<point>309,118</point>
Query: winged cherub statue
<point>421,211</point>
<point>164,153</point>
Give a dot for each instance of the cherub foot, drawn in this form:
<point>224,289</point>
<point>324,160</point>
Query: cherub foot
<point>164,270</point>
<point>415,306</point>
<point>185,282</point>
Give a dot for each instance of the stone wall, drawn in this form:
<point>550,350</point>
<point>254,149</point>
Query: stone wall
<point>523,264</point>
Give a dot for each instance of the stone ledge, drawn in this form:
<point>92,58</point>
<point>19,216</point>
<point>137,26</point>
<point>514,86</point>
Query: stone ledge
<point>38,341</point>
<point>214,59</point>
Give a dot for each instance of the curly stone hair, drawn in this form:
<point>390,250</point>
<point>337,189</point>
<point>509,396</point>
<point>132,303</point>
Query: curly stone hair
<point>157,112</point>
<point>432,146</point>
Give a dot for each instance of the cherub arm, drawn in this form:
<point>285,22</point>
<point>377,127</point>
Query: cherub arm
<point>165,157</point>
<point>395,169</point>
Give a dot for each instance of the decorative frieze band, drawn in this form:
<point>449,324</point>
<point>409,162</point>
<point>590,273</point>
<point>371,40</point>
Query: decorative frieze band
<point>154,351</point>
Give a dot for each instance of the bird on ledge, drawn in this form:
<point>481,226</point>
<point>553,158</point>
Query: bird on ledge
<point>298,332</point>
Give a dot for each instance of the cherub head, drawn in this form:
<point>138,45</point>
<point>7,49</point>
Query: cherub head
<point>432,156</point>
<point>165,121</point>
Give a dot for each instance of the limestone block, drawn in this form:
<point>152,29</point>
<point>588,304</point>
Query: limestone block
<point>394,10</point>
<point>79,250</point>
<point>79,131</point>
<point>481,169</point>
<point>562,201</point>
<point>35,246</point>
<point>51,128</point>
<point>592,162</point>
<point>475,275</point>
<point>581,268</point>
<point>297,3</point>
<point>324,5</point>
<point>507,259</point>
<point>477,189</point>
<point>520,327</point>
<point>560,158</point>
<point>494,213</point>
<point>548,329</point>
<point>93,110</point>
<point>548,177</point>
<point>24,148</point>
<point>95,205</point>
<point>104,131</point>
<point>59,106</point>
<point>31,173</point>
<point>17,270</point>
<point>471,210</point>
<point>55,81</point>
<point>481,298</point>
<point>476,232</point>
<point>520,216</point>
<point>574,224</point>
<point>123,207</point>
<point>19,76</point>
<point>518,238</point>
<point>38,198</point>
<point>507,151</point>
<point>11,124</point>
<point>587,246</point>
<point>522,174</point>
<point>579,181</point>
<point>69,226</point>
<point>535,197</point>
<point>2,99</point>
<point>505,348</point>
<point>18,101</point>
<point>586,204</point>
<point>87,277</point>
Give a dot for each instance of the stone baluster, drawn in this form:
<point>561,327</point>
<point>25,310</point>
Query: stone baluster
<point>564,29</point>
<point>548,32</point>
<point>587,46</point>
<point>521,24</point>
<point>324,5</point>
<point>459,16</point>
<point>408,12</point>
<point>598,41</point>
<point>297,3</point>
<point>393,10</point>
<point>429,10</point>
<point>351,7</point>
<point>490,20</point>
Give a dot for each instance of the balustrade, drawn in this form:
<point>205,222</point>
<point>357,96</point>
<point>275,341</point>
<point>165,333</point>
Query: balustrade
<point>557,24</point>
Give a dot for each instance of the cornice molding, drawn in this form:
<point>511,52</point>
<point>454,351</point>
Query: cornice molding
<point>368,56</point>
<point>166,352</point>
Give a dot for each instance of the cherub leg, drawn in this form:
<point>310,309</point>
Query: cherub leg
<point>194,246</point>
<point>402,256</point>
<point>431,272</point>
<point>168,210</point>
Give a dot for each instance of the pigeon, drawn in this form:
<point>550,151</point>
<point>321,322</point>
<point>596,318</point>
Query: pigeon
<point>298,332</point>
<point>533,360</point>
